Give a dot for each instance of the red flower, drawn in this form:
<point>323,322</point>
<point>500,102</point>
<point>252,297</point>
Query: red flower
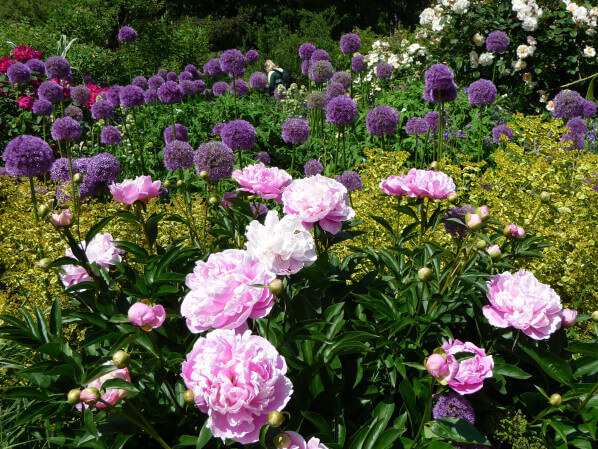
<point>23,53</point>
<point>26,102</point>
<point>66,87</point>
<point>5,63</point>
<point>95,91</point>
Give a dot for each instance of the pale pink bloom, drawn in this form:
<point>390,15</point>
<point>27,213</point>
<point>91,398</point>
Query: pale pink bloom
<point>62,219</point>
<point>494,251</point>
<point>112,395</point>
<point>519,300</point>
<point>318,199</point>
<point>442,367</point>
<point>265,182</point>
<point>237,379</point>
<point>142,188</point>
<point>88,396</point>
<point>224,292</point>
<point>569,318</point>
<point>520,233</point>
<point>483,212</point>
<point>514,231</point>
<point>73,274</point>
<point>282,244</point>
<point>419,184</point>
<point>470,375</point>
<point>146,317</point>
<point>298,442</point>
<point>473,221</point>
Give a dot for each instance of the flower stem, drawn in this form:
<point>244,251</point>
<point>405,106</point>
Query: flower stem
<point>423,421</point>
<point>143,167</point>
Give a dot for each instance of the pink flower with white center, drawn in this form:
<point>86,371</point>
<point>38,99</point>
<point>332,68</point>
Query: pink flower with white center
<point>224,291</point>
<point>472,371</point>
<point>141,189</point>
<point>146,317</point>
<point>111,395</point>
<point>265,182</point>
<point>419,184</point>
<point>318,199</point>
<point>237,379</point>
<point>298,442</point>
<point>519,300</point>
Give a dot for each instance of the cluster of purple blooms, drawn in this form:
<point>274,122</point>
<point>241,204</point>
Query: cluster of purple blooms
<point>350,43</point>
<point>295,131</point>
<point>497,41</point>
<point>238,135</point>
<point>382,121</point>
<point>180,131</point>
<point>570,104</point>
<point>416,126</point>
<point>320,71</point>
<point>341,110</point>
<point>457,213</point>
<point>27,156</point>
<point>312,168</point>
<point>98,171</point>
<point>178,155</point>
<point>578,129</point>
<point>502,130</point>
<point>439,86</point>
<point>215,158</point>
<point>351,180</point>
<point>481,92</point>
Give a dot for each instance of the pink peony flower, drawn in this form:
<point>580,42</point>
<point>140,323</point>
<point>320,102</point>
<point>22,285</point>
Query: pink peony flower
<point>471,373</point>
<point>520,301</point>
<point>62,219</point>
<point>442,367</point>
<point>223,292</point>
<point>112,395</point>
<point>318,199</point>
<point>265,182</point>
<point>483,212</point>
<point>73,274</point>
<point>146,317</point>
<point>298,442</point>
<point>514,231</point>
<point>141,189</point>
<point>282,245</point>
<point>419,184</point>
<point>569,318</point>
<point>237,379</point>
<point>26,103</point>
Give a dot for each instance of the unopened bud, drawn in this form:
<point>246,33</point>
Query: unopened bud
<point>473,221</point>
<point>43,210</point>
<point>276,287</point>
<point>510,230</point>
<point>121,359</point>
<point>203,174</point>
<point>189,397</point>
<point>569,318</point>
<point>180,183</point>
<point>595,315</point>
<point>545,197</point>
<point>166,184</point>
<point>481,244</point>
<point>453,198</point>
<point>275,419</point>
<point>62,219</point>
<point>74,396</point>
<point>78,178</point>
<point>424,274</point>
<point>213,200</point>
<point>282,440</point>
<point>250,197</point>
<point>494,252</point>
<point>483,212</point>
<point>555,400</point>
<point>44,262</point>
<point>434,165</point>
<point>90,395</point>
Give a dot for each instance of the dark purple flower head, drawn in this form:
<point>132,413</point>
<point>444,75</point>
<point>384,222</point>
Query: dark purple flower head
<point>350,43</point>
<point>238,135</point>
<point>170,92</point>
<point>439,77</point>
<point>58,67</point>
<point>341,111</point>
<point>199,86</point>
<point>343,78</point>
<point>443,95</point>
<point>74,112</point>
<point>358,63</point>
<point>239,87</point>
<point>217,129</point>
<point>578,141</point>
<point>127,34</point>
<point>178,155</point>
<point>295,131</point>
<point>382,121</point>
<point>181,133</point>
<point>37,66</point>
<point>312,168</point>
<point>258,81</point>
<point>66,128</point>
<point>191,69</point>
<point>577,126</point>
<point>497,41</point>
<point>306,50</point>
<point>141,82</point>
<point>185,76</point>
<point>150,96</point>
<point>316,99</point>
<point>384,70</point>
<point>258,209</point>
<point>416,126</point>
<point>27,156</point>
<point>319,55</point>
<point>453,405</point>
<point>252,56</point>
<point>305,67</point>
<point>213,67</point>
<point>18,73</point>
<point>215,158</point>
<point>320,71</point>
<point>481,92</point>
<point>42,107</point>
<point>103,168</point>
<point>502,130</point>
<point>263,157</point>
<point>113,95</point>
<point>155,82</point>
<point>60,170</point>
<point>111,135</point>
<point>232,62</point>
<point>432,119</point>
<point>589,109</point>
<point>453,228</point>
<point>131,96</point>
<point>80,94</point>
<point>102,109</point>
<point>171,76</point>
<point>568,104</point>
<point>188,87</point>
<point>50,91</point>
<point>351,180</point>
<point>162,73</point>
<point>334,90</point>
<point>219,88</point>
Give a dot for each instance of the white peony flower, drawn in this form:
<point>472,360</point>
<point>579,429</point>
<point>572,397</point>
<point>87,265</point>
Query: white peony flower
<point>523,51</point>
<point>460,6</point>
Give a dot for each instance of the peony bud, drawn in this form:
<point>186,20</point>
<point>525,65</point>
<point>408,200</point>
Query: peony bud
<point>203,174</point>
<point>90,395</point>
<point>180,183</point>
<point>545,197</point>
<point>424,274</point>
<point>74,396</point>
<point>62,219</point>
<point>43,211</point>
<point>213,200</point>
<point>121,359</point>
<point>510,230</point>
<point>275,419</point>
<point>434,165</point>
<point>453,198</point>
<point>481,244</point>
<point>595,315</point>
<point>436,365</point>
<point>276,287</point>
<point>166,184</point>
<point>189,397</point>
<point>520,233</point>
<point>555,400</point>
<point>483,212</point>
<point>494,252</point>
<point>569,318</point>
<point>251,198</point>
<point>282,440</point>
<point>473,221</point>
<point>146,317</point>
<point>77,178</point>
<point>44,262</point>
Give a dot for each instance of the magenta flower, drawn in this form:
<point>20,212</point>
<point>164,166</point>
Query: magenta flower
<point>569,318</point>
<point>298,442</point>
<point>141,189</point>
<point>112,395</point>
<point>419,184</point>
<point>266,182</point>
<point>519,300</point>
<point>442,367</point>
<point>146,317</point>
<point>62,219</point>
<point>237,379</point>
<point>472,371</point>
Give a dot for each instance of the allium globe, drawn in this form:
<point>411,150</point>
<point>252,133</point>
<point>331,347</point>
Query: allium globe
<point>497,41</point>
<point>239,88</point>
<point>36,66</point>
<point>181,132</point>
<point>113,95</point>
<point>141,189</point>
<point>351,180</point>
<point>452,405</point>
<point>481,92</point>
<point>320,71</point>
<point>577,126</point>
<point>295,131</point>
<point>316,99</point>
<point>502,130</point>
<point>238,135</point>
<point>343,78</point>
<point>439,77</point>
<point>419,184</point>
<point>232,62</point>
<point>80,94</point>
<point>150,96</point>
<point>217,129</point>
<point>334,90</point>
<point>568,104</point>
<point>199,86</point>
<point>185,76</point>
<point>262,156</point>
<point>131,96</point>
<point>306,50</point>
<point>213,67</point>
<point>178,155</point>
<point>188,87</point>
<point>319,55</point>
<point>382,121</point>
<point>440,95</point>
<point>103,168</point>
<point>432,118</point>
<point>350,43</point>
<point>42,107</point>
<point>220,88</point>
<point>384,70</point>
<point>341,111</point>
<point>102,109</point>
<point>252,56</point>
<point>50,91</point>
<point>472,371</point>
<point>258,81</point>
<point>305,67</point>
<point>18,73</point>
<point>215,158</point>
<point>127,34</point>
<point>27,156</point>
<point>66,128</point>
<point>155,82</point>
<point>171,76</point>
<point>589,109</point>
<point>170,93</point>
<point>141,82</point>
<point>358,63</point>
<point>313,167</point>
<point>162,73</point>
<point>74,112</point>
<point>266,182</point>
<point>58,67</point>
<point>416,126</point>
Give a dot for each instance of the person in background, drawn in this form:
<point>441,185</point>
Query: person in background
<point>274,74</point>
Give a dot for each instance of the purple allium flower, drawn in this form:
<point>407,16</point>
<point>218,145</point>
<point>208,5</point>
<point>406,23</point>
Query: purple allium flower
<point>453,405</point>
<point>258,209</point>
<point>416,126</point>
<point>305,67</point>
<point>578,141</point>
<point>171,76</point>
<point>199,86</point>
<point>155,82</point>
<point>316,99</point>
<point>193,71</point>
<point>384,70</point>
<point>127,34</point>
<point>181,133</point>
<point>178,155</point>
<point>162,73</point>
<point>103,168</point>
<point>358,63</point>
<point>382,121</point>
<point>213,67</point>
<point>432,119</point>
<point>27,156</point>
<point>131,96</point>
<point>219,88</point>
<point>439,77</point>
<point>60,170</point>
<point>185,76</point>
<point>50,91</point>
<point>187,86</point>
<point>217,129</point>
<point>102,109</point>
<point>238,135</point>
<point>341,111</point>
<point>351,180</point>
<point>589,109</point>
<point>343,78</point>
<point>350,43</point>
<point>113,95</point>
<point>258,80</point>
<point>306,50</point>
<point>453,228</point>
<point>170,92</point>
<point>18,73</point>
<point>444,95</point>
<point>58,67</point>
<point>252,56</point>
<point>481,92</point>
<point>319,55</point>
<point>497,41</point>
<point>232,62</point>
<point>502,130</point>
<point>66,128</point>
<point>150,96</point>
<point>568,104</point>
<point>80,94</point>
<point>74,112</point>
<point>312,168</point>
<point>111,135</point>
<point>35,65</point>
<point>295,131</point>
<point>334,90</point>
<point>239,87</point>
<point>263,157</point>
<point>320,71</point>
<point>42,107</point>
<point>215,158</point>
<point>577,126</point>
<point>141,82</point>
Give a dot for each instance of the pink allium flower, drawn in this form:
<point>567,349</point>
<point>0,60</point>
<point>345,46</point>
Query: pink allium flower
<point>26,103</point>
<point>318,199</point>
<point>442,367</point>
<point>569,318</point>
<point>237,379</point>
<point>141,188</point>
<point>223,293</point>
<point>281,244</point>
<point>112,395</point>
<point>298,442</point>
<point>146,317</point>
<point>471,373</point>
<point>519,300</point>
<point>62,219</point>
<point>265,182</point>
<point>419,184</point>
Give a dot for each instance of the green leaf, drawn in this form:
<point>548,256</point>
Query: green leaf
<point>25,392</point>
<point>97,228</point>
<point>439,445</point>
<point>42,325</point>
<point>56,318</point>
<point>119,383</point>
<point>456,429</point>
<point>320,423</point>
<point>387,438</point>
<point>89,422</point>
<point>205,435</point>
<point>552,365</point>
<point>510,371</point>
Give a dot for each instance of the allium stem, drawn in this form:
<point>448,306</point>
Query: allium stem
<point>235,95</point>
<point>480,134</point>
<point>73,189</point>
<point>440,127</point>
<point>190,219</point>
<point>141,156</point>
<point>293,158</point>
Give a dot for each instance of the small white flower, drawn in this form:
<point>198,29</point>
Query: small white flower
<point>520,64</point>
<point>474,59</point>
<point>589,52</point>
<point>486,59</point>
<point>523,51</point>
<point>479,39</point>
<point>550,106</point>
<point>531,40</point>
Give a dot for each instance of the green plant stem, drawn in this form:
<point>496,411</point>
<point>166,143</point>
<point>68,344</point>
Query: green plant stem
<point>36,216</point>
<point>531,220</point>
<point>141,156</point>
<point>293,158</point>
<point>426,410</point>
<point>190,219</point>
<point>589,396</point>
<point>146,425</point>
<point>235,97</point>
<point>139,213</point>
<point>480,134</point>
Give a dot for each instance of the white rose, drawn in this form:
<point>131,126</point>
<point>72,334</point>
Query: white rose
<point>486,59</point>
